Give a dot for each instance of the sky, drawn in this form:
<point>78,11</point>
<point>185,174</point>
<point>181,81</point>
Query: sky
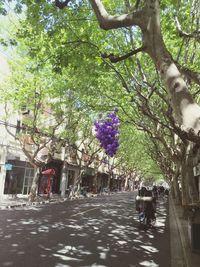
<point>8,27</point>
<point>4,68</point>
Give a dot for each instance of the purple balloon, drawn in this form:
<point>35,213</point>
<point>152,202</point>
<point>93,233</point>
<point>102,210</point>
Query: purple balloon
<point>107,133</point>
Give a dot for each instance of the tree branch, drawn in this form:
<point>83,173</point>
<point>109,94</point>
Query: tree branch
<point>108,22</point>
<point>195,76</point>
<point>61,4</point>
<point>115,59</point>
<point>195,34</point>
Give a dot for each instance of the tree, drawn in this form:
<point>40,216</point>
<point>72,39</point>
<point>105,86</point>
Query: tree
<point>147,18</point>
<point>48,119</point>
<point>185,109</point>
<point>168,48</point>
<point>86,151</point>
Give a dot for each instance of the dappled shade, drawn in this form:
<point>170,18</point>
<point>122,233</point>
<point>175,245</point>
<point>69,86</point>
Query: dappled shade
<point>88,232</point>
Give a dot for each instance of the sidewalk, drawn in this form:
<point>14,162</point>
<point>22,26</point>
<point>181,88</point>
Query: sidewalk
<point>13,202</point>
<point>181,253</point>
<point>22,201</point>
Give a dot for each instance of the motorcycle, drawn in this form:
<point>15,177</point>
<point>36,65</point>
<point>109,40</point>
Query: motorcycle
<point>146,211</point>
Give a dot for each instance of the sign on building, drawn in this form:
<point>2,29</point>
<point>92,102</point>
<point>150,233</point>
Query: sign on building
<point>8,167</point>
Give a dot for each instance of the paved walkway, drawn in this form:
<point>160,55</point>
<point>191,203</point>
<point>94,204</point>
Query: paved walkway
<point>181,253</point>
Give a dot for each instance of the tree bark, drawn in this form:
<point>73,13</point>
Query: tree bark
<point>193,193</point>
<point>184,189</point>
<point>109,181</point>
<point>172,189</point>
<point>76,184</point>
<point>95,182</point>
<point>189,190</point>
<point>64,180</point>
<point>176,189</point>
<point>186,110</point>
<point>126,185</point>
<point>34,186</point>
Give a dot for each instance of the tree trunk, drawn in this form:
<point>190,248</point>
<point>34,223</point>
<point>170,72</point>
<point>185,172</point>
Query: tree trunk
<point>34,186</point>
<point>192,189</point>
<point>172,189</point>
<point>184,185</point>
<point>64,180</point>
<point>109,180</point>
<point>189,190</point>
<point>95,182</point>
<point>126,184</point>
<point>176,190</point>
<point>75,191</point>
<point>186,111</point>
<point>175,184</point>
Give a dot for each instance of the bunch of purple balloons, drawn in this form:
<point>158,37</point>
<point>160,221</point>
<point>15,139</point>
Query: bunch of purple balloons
<point>107,133</point>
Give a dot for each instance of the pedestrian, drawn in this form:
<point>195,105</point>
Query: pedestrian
<point>13,185</point>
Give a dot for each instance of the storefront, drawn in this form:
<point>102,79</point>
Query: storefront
<point>52,179</point>
<point>115,183</point>
<point>19,176</point>
<point>87,179</point>
<point>102,181</point>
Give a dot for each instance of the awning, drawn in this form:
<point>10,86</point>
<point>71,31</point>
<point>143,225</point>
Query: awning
<point>49,172</point>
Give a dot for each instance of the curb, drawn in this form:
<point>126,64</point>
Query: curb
<point>24,204</point>
<point>31,204</point>
<point>50,201</point>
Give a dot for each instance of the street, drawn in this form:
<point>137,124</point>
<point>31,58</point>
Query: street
<point>101,231</point>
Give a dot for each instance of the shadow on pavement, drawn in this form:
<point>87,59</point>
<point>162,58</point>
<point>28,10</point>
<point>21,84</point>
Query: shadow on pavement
<point>101,232</point>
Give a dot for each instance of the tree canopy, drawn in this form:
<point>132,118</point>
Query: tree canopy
<point>142,59</point>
